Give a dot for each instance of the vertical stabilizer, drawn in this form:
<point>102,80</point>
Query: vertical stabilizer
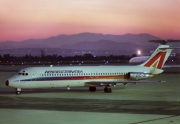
<point>159,57</point>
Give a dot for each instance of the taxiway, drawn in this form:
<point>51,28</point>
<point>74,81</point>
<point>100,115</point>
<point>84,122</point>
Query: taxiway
<point>145,103</point>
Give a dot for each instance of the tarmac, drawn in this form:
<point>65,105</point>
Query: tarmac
<point>144,103</point>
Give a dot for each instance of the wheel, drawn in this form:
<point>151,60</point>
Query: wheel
<point>18,92</point>
<point>92,89</point>
<point>107,90</point>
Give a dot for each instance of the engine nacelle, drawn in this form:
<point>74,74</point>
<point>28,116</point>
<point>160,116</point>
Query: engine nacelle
<point>139,75</point>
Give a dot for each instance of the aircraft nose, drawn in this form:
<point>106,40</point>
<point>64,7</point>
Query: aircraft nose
<point>7,83</point>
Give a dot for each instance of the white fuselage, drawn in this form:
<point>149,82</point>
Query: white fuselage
<point>75,76</point>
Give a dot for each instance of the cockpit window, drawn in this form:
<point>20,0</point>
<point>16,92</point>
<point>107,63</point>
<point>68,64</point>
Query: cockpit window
<point>24,74</point>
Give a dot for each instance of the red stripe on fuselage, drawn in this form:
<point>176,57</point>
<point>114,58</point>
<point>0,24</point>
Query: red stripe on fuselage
<point>79,78</point>
<point>92,77</point>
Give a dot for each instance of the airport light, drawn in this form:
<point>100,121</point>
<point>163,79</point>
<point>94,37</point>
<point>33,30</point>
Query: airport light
<point>139,52</point>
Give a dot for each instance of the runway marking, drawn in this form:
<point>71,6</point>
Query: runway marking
<point>155,119</point>
<point>15,98</point>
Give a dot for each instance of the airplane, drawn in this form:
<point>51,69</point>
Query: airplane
<point>140,59</point>
<point>90,76</point>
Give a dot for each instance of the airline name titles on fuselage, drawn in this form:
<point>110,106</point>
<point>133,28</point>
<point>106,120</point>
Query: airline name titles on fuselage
<point>63,71</point>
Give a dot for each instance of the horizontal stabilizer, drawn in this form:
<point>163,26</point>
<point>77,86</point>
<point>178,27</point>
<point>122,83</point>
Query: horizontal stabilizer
<point>170,48</point>
<point>164,42</point>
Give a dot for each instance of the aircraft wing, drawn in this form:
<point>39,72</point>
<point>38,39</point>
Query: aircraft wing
<point>171,66</point>
<point>103,83</point>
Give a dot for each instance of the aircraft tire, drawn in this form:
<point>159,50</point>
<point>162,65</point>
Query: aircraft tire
<point>107,90</point>
<point>18,92</point>
<point>92,89</point>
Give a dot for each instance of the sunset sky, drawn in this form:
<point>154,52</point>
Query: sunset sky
<point>25,19</point>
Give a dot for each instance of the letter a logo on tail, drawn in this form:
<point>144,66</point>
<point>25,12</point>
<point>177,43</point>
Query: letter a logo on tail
<point>159,57</point>
<point>157,60</point>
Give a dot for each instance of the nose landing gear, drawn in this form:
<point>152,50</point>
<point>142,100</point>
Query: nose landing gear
<point>18,91</point>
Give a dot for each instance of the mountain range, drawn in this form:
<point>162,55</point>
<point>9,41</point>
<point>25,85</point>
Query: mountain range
<point>122,44</point>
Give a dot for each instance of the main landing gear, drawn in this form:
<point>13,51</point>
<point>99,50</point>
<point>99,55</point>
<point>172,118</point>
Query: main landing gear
<point>107,89</point>
<point>92,89</point>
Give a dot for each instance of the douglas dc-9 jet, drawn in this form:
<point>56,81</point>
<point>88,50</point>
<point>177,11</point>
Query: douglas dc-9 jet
<point>90,76</point>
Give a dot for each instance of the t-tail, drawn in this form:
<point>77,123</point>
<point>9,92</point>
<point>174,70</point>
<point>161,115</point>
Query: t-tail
<point>159,57</point>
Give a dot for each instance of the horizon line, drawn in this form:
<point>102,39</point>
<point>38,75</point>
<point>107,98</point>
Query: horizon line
<point>81,33</point>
